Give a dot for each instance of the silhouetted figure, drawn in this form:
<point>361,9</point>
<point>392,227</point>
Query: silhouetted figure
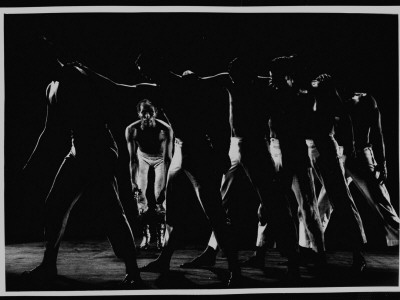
<point>325,109</point>
<point>81,104</point>
<point>367,170</point>
<point>150,147</point>
<point>249,114</point>
<point>198,112</point>
<point>287,125</point>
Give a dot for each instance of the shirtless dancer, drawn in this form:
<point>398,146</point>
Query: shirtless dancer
<point>199,116</point>
<point>322,114</point>
<point>249,115</point>
<point>81,104</point>
<point>368,169</point>
<point>150,146</point>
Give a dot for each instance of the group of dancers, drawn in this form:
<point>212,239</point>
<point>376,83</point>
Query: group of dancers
<point>286,130</point>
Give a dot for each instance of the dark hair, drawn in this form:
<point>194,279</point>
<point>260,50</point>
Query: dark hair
<point>145,102</point>
<point>287,65</point>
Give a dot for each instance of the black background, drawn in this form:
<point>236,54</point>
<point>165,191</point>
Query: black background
<point>361,49</point>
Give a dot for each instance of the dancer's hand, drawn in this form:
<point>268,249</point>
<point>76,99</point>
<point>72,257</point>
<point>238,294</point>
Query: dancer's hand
<point>323,81</point>
<point>134,186</point>
<point>136,192</point>
<point>324,77</point>
<point>381,172</point>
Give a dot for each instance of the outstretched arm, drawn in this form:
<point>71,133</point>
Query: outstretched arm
<point>220,79</point>
<point>107,80</point>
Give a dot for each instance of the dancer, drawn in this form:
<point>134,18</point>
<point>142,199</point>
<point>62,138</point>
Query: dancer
<point>288,145</point>
<point>150,147</point>
<point>322,114</point>
<point>367,170</point>
<point>249,115</point>
<point>81,104</point>
<point>199,115</point>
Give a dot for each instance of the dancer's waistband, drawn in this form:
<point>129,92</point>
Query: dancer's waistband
<point>147,155</point>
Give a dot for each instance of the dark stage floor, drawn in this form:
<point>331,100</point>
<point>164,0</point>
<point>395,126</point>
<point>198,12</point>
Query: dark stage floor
<point>91,265</point>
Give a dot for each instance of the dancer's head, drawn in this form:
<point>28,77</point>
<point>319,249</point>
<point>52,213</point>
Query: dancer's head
<point>147,113</point>
<point>283,72</point>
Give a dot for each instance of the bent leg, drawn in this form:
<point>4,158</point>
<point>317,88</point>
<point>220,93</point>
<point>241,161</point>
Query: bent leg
<point>207,187</point>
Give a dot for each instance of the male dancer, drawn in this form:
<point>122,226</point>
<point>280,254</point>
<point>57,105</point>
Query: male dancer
<point>321,115</point>
<point>81,104</point>
<point>198,113</point>
<point>368,169</point>
<point>249,128</point>
<point>287,126</point>
<point>150,147</point>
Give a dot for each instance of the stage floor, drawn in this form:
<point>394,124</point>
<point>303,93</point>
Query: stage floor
<point>92,265</point>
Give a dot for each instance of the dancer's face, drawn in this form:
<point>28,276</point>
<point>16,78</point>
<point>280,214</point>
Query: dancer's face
<point>147,115</point>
